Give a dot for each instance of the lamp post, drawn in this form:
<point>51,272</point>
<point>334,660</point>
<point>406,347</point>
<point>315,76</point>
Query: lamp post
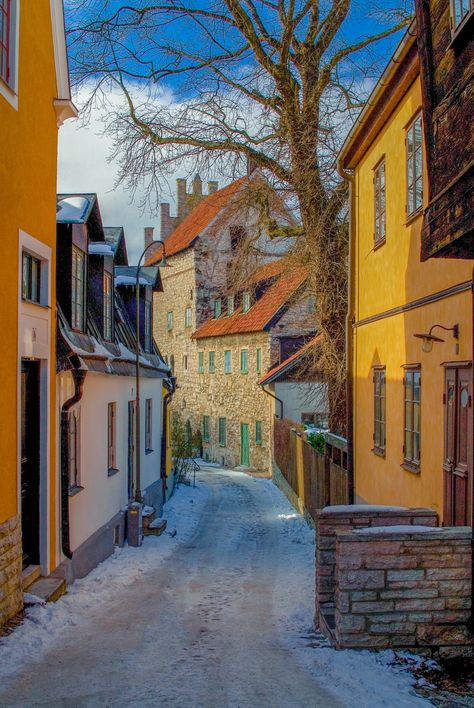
<point>138,492</point>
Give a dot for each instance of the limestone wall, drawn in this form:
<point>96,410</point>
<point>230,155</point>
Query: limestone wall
<point>398,587</point>
<point>11,597</point>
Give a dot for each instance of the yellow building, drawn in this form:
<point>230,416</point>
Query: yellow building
<point>412,410</point>
<point>34,100</point>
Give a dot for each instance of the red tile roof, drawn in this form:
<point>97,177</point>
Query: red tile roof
<point>267,271</point>
<point>198,219</point>
<point>262,311</point>
<point>289,363</point>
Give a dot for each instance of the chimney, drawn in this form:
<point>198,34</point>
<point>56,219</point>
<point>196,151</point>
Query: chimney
<point>148,235</point>
<point>197,186</point>
<point>167,222</point>
<point>251,165</point>
<point>212,187</point>
<point>181,189</point>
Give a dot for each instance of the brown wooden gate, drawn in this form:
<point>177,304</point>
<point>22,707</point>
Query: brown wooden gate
<point>457,464</point>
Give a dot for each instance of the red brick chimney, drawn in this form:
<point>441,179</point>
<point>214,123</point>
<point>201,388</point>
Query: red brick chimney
<point>149,230</point>
<point>212,187</point>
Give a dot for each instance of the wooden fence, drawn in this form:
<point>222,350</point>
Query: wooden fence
<point>318,479</point>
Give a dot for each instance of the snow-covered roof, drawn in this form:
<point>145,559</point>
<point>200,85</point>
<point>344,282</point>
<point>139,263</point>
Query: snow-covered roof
<point>361,508</point>
<point>100,249</point>
<point>74,208</point>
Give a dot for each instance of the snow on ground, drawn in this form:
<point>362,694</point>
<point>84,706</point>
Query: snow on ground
<point>44,624</point>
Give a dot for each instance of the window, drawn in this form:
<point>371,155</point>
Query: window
<point>31,278</point>
<point>148,424</point>
<point>212,362</point>
<point>258,432</point>
<point>379,410</point>
<point>206,428</point>
<point>411,445</point>
<point>8,45</point>
<point>414,166</point>
<point>230,305</point>
<point>311,304</point>
<point>185,362</point>
<point>148,314</point>
<point>201,362</point>
<point>77,295</point>
<point>169,321</point>
<point>188,317</point>
<point>460,9</point>
<point>222,432</point>
<point>259,361</point>
<point>244,361</point>
<point>108,295</point>
<point>246,301</point>
<point>379,203</point>
<point>73,451</point>
<point>111,436</point>
<point>217,307</point>
<point>227,362</point>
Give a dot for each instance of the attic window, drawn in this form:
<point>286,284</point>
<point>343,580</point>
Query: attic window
<point>230,305</point>
<point>245,301</point>
<point>217,307</point>
<point>108,294</point>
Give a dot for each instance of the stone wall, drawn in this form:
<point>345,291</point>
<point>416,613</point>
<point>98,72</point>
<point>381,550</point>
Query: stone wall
<point>11,596</point>
<point>402,587</point>
<point>333,519</point>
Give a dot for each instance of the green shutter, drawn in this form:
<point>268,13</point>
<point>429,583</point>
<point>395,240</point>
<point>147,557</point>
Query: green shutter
<point>258,432</point>
<point>222,431</point>
<point>201,362</point>
<point>244,361</point>
<point>259,361</point>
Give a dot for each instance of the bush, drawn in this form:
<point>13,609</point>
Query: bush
<point>318,441</point>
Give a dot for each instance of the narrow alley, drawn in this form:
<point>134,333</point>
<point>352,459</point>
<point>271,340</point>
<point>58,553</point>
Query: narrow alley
<point>225,621</point>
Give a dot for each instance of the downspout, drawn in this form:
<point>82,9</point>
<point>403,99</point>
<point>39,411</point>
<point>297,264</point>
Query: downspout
<point>276,399</point>
<point>350,318</point>
<point>164,441</point>
<point>78,376</point>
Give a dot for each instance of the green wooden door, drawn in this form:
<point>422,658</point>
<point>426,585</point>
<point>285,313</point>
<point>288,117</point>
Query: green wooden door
<point>244,444</point>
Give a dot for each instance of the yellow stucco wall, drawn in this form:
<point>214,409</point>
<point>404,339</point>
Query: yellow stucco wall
<point>28,148</point>
<point>386,278</point>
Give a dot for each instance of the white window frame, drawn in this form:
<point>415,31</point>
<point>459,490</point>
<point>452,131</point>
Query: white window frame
<point>456,28</point>
<point>74,476</point>
<point>108,307</point>
<point>112,436</point>
<point>9,90</point>
<point>148,425</point>
<point>411,185</point>
<point>75,280</point>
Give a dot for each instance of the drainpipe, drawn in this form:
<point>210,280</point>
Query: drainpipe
<point>350,318</point>
<point>79,376</point>
<point>164,440</point>
<point>276,399</point>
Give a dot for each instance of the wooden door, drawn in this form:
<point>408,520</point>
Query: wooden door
<point>131,448</point>
<point>30,462</point>
<point>457,464</point>
<point>244,444</point>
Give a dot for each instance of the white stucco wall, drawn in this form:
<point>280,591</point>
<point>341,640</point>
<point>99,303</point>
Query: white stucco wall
<point>104,496</point>
<point>301,397</point>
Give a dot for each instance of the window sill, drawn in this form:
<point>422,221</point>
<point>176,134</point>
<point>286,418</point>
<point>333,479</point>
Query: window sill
<point>34,302</point>
<point>244,373</point>
<point>409,467</point>
<point>75,490</point>
<point>148,450</point>
<point>459,30</point>
<point>378,451</point>
<point>112,471</point>
<point>379,244</point>
<point>414,215</point>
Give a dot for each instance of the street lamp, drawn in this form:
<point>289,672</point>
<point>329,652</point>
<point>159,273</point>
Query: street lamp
<point>429,338</point>
<point>161,264</point>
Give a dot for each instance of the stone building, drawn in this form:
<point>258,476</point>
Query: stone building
<point>233,306</point>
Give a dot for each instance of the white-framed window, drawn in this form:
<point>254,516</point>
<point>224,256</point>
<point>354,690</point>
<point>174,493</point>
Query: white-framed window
<point>31,278</point>
<point>148,424</point>
<point>108,306</point>
<point>218,307</point>
<point>246,301</point>
<point>460,11</point>
<point>169,321</point>
<point>9,35</point>
<point>414,155</point>
<point>379,203</point>
<point>244,361</point>
<point>188,317</point>
<point>111,436</point>
<point>73,448</point>
<point>77,289</point>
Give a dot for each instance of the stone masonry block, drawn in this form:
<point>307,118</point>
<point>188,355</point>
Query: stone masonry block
<point>390,562</point>
<point>361,579</point>
<point>408,593</point>
<point>402,575</point>
<point>392,628</point>
<point>448,573</point>
<point>442,634</point>
<point>348,624</point>
<point>370,607</point>
<point>420,604</point>
<point>455,588</point>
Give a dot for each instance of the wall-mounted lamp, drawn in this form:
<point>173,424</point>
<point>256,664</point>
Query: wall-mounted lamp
<point>429,338</point>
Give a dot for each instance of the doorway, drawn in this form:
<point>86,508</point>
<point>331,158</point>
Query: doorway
<point>30,461</point>
<point>244,445</point>
<point>131,448</point>
<point>457,464</point>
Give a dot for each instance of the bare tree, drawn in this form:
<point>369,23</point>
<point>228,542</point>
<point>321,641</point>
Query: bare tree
<point>217,83</point>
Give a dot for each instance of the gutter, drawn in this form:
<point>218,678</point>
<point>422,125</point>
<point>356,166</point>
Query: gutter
<point>79,376</point>
<point>272,395</point>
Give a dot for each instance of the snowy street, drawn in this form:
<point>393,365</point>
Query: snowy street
<point>219,615</point>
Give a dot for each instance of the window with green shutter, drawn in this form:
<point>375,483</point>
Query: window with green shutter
<point>230,305</point>
<point>259,361</point>
<point>206,428</point>
<point>188,317</point>
<point>244,361</point>
<point>217,307</point>
<point>227,362</point>
<point>222,432</point>
<point>246,301</point>
<point>212,362</point>
<point>201,362</point>
<point>258,432</point>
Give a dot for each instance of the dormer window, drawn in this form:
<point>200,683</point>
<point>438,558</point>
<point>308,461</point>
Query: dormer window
<point>230,305</point>
<point>245,301</point>
<point>77,290</point>
<point>217,307</point>
<point>108,306</point>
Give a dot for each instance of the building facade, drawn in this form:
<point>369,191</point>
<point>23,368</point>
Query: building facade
<point>221,328</point>
<point>410,321</point>
<point>33,83</point>
<point>96,390</point>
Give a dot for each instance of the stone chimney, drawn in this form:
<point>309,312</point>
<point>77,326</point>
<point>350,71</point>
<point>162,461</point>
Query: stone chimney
<point>197,186</point>
<point>168,223</point>
<point>212,187</point>
<point>149,230</point>
<point>181,190</point>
